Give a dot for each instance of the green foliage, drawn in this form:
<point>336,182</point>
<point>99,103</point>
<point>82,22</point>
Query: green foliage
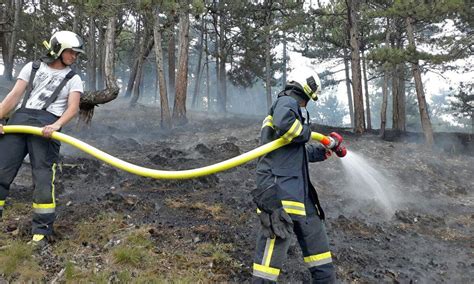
<point>463,103</point>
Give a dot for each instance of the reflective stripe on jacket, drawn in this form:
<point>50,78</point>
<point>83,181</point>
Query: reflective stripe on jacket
<point>288,165</point>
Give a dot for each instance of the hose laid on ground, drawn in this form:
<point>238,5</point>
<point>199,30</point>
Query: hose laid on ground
<point>160,174</point>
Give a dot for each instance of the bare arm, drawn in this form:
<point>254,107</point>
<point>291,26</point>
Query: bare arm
<point>71,111</point>
<point>12,99</point>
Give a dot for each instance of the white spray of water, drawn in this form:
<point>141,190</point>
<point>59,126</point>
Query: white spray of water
<point>366,182</point>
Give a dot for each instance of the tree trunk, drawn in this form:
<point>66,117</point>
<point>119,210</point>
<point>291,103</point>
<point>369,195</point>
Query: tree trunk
<point>165,109</point>
<point>91,99</point>
<point>425,119</point>
<point>10,42</point>
<point>348,86</point>
<point>222,71</point>
<point>208,79</point>
<point>100,73</point>
<point>179,109</point>
<point>172,62</point>
<point>134,70</point>
<point>268,46</point>
<point>91,62</point>
<point>383,109</point>
<point>359,119</point>
<point>285,60</point>
<point>366,88</point>
<point>146,47</point>
<point>268,66</point>
<point>197,81</point>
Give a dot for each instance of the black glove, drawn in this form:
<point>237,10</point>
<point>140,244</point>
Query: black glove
<point>3,121</point>
<point>275,221</point>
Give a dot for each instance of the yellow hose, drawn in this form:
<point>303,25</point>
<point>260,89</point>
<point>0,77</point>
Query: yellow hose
<point>160,174</point>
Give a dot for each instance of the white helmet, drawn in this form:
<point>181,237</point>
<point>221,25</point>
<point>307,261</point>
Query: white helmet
<point>63,40</point>
<point>307,80</point>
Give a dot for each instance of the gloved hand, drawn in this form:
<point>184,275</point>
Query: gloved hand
<point>340,151</point>
<point>275,221</point>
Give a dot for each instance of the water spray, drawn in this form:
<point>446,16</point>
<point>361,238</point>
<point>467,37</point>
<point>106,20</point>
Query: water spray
<point>331,142</point>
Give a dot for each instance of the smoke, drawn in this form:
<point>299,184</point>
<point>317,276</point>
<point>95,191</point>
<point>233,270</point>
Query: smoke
<point>367,183</point>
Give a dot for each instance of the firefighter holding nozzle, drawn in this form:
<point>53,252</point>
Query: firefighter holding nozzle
<point>286,200</point>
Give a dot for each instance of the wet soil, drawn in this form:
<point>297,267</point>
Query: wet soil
<point>426,239</point>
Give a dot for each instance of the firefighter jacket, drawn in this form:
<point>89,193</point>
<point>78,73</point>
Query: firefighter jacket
<point>287,167</point>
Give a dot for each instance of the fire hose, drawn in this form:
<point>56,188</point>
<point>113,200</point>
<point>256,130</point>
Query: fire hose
<point>328,141</point>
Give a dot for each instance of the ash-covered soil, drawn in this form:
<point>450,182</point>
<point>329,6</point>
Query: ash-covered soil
<point>396,211</point>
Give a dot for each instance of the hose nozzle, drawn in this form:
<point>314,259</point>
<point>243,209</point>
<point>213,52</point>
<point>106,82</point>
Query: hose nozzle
<point>335,145</point>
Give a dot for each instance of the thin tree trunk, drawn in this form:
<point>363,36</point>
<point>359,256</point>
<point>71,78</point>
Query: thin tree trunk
<point>285,59</point>
<point>348,86</point>
<point>91,99</point>
<point>268,78</point>
<point>208,79</point>
<point>91,62</point>
<point>146,47</point>
<point>197,81</point>
<point>359,119</point>
<point>134,70</point>
<point>9,59</point>
<point>366,88</point>
<point>179,109</point>
<point>100,73</point>
<point>425,119</point>
<point>383,109</point>
<point>222,71</point>
<point>165,109</point>
<point>109,69</point>
<point>172,62</point>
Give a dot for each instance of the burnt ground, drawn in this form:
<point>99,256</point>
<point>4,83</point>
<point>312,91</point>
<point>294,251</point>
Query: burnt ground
<point>113,226</point>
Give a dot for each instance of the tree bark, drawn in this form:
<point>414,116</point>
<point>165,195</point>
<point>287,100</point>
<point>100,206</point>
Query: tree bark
<point>208,79</point>
<point>197,81</point>
<point>425,119</point>
<point>359,119</point>
<point>348,86</point>
<point>366,88</point>
<point>146,47</point>
<point>91,99</point>
<point>134,70</point>
<point>268,46</point>
<point>10,42</point>
<point>165,109</point>
<point>383,109</point>
<point>222,72</point>
<point>172,62</point>
<point>91,62</point>
<point>179,109</point>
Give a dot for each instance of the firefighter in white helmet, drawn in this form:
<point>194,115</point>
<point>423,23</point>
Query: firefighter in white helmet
<point>286,200</point>
<point>46,94</point>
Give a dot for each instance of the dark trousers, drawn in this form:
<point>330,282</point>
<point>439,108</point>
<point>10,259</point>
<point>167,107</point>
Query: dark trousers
<point>44,154</point>
<point>312,238</point>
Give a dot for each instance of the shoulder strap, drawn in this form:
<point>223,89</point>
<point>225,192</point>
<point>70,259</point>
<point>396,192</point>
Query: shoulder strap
<point>34,68</point>
<point>56,92</point>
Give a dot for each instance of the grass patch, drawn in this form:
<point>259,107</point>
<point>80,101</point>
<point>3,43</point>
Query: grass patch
<point>16,262</point>
<point>136,257</point>
<point>215,210</point>
<point>99,229</point>
<point>140,238</point>
<point>17,209</point>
